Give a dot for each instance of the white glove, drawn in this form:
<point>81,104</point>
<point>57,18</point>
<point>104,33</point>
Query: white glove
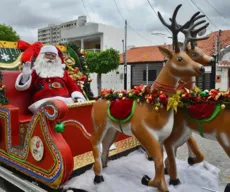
<point>26,72</point>
<point>77,96</point>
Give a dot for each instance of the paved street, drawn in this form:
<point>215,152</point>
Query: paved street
<point>214,154</point>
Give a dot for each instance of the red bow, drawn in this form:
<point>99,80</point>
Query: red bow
<point>30,51</point>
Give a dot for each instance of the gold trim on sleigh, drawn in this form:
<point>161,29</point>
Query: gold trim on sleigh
<point>12,65</point>
<point>121,146</point>
<point>80,104</point>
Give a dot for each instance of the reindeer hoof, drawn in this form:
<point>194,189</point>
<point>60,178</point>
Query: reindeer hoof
<point>174,182</point>
<point>166,171</point>
<point>145,180</point>
<point>150,158</point>
<point>227,188</point>
<point>98,179</point>
<point>191,161</point>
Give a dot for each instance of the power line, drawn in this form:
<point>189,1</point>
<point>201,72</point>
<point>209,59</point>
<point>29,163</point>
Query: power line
<point>204,14</point>
<point>86,9</point>
<point>91,7</point>
<point>216,10</point>
<point>128,24</point>
<point>157,15</point>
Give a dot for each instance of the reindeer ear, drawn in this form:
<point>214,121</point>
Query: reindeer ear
<point>166,52</point>
<point>188,47</point>
<point>180,44</point>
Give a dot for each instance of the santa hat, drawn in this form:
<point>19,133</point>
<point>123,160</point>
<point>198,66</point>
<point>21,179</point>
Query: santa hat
<point>49,49</point>
<point>52,49</point>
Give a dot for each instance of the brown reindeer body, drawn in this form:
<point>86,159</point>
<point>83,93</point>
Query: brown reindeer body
<point>180,128</point>
<point>198,55</point>
<point>216,129</point>
<point>150,127</point>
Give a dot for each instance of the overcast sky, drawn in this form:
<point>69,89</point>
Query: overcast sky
<point>26,16</point>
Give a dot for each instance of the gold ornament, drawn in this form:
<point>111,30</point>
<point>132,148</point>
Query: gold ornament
<point>130,94</point>
<point>223,106</point>
<point>156,108</point>
<point>158,104</point>
<point>120,95</point>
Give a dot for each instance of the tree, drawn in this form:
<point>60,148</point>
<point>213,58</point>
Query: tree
<point>102,63</point>
<point>7,33</point>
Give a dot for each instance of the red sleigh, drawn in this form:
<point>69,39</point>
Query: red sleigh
<point>31,145</point>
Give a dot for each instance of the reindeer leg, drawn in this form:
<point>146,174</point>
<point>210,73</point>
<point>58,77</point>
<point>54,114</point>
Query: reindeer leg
<point>151,144</point>
<point>171,163</point>
<point>96,139</point>
<point>108,140</point>
<point>224,140</point>
<point>195,155</point>
<point>148,156</point>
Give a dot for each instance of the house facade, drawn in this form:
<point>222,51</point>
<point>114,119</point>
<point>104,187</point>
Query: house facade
<point>146,62</point>
<point>97,36</point>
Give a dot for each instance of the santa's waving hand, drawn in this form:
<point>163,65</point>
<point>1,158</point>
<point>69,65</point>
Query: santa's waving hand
<point>26,72</point>
<point>48,80</point>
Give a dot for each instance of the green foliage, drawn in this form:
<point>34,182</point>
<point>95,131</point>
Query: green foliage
<point>103,62</point>
<point>7,33</point>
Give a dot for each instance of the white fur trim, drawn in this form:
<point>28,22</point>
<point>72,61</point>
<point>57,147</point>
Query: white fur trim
<point>63,66</point>
<point>49,49</point>
<point>77,95</point>
<point>34,107</point>
<point>25,85</point>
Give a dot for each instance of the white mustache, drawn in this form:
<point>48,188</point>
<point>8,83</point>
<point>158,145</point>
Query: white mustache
<point>49,60</point>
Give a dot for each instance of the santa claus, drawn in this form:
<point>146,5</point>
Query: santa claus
<point>48,80</point>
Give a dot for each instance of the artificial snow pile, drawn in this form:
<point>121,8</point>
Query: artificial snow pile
<point>124,175</point>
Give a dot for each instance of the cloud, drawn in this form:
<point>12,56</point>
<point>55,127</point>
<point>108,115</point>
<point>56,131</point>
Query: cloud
<point>26,16</point>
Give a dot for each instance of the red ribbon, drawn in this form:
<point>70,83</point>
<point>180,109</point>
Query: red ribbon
<point>32,50</point>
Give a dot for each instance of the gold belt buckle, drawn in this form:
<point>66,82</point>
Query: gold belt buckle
<point>56,85</point>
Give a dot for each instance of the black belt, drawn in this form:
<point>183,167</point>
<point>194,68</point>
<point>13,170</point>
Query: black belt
<point>54,85</point>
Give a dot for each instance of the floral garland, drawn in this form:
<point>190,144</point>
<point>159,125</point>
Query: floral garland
<point>78,76</point>
<point>159,99</point>
<point>189,97</point>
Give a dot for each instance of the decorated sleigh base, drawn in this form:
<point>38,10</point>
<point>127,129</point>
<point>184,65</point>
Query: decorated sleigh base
<point>52,144</point>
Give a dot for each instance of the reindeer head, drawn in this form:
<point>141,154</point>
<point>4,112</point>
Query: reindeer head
<point>179,64</point>
<point>190,43</point>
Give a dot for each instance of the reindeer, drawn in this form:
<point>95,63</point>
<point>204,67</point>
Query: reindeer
<point>198,55</point>
<point>150,127</point>
<point>215,129</point>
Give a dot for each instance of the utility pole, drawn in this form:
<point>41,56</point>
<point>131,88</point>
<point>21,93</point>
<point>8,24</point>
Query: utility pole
<point>125,61</point>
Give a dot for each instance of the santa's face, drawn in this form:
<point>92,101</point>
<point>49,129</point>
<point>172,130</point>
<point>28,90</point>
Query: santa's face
<point>48,65</point>
<point>50,57</point>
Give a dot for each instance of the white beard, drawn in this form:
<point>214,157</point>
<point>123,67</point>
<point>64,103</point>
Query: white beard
<point>48,68</point>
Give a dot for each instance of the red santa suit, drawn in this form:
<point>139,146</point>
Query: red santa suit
<point>45,89</point>
<point>48,80</point>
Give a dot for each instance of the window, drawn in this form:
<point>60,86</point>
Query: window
<point>152,75</point>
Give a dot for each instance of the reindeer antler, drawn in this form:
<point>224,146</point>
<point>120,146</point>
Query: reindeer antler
<point>173,27</point>
<point>191,33</point>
